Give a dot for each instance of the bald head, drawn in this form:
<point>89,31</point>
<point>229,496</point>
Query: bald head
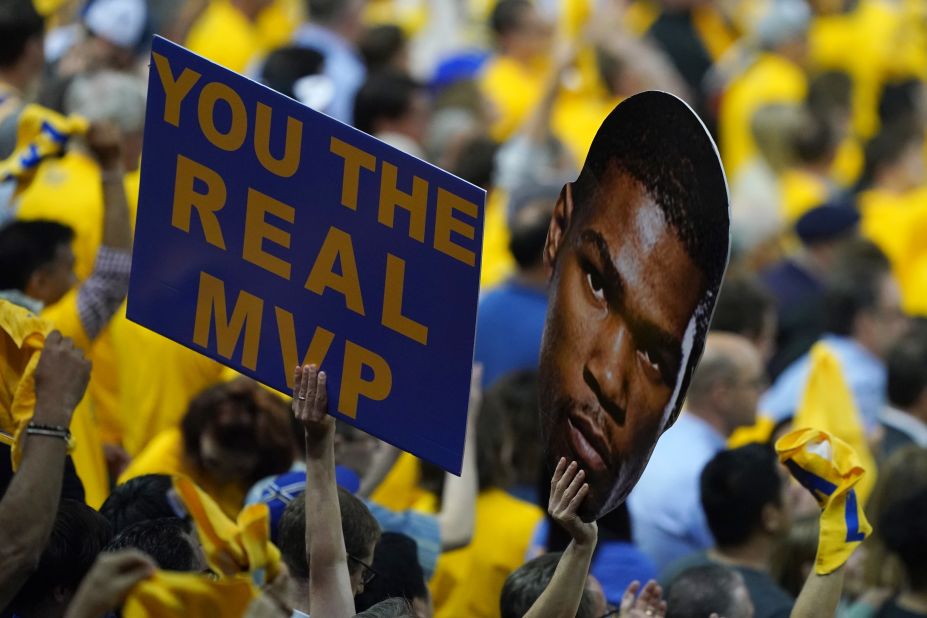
<point>727,382</point>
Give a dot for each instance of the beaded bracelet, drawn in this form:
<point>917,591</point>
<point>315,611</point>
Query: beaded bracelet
<point>53,431</point>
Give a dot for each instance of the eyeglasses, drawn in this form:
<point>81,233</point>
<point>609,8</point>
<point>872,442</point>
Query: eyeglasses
<point>369,573</point>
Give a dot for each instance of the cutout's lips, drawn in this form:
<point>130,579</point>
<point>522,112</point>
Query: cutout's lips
<point>588,444</point>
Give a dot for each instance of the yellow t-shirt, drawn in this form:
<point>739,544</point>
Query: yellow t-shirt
<point>513,90</point>
<point>770,79</point>
<point>468,581</point>
<point>898,224</point>
<point>224,35</point>
<point>801,191</point>
<point>165,455</point>
<point>157,380</point>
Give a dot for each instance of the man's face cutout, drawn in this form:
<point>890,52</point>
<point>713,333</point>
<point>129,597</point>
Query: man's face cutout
<point>620,331</point>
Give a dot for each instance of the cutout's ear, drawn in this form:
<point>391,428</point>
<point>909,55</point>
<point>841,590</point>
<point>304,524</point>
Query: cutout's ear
<point>559,223</point>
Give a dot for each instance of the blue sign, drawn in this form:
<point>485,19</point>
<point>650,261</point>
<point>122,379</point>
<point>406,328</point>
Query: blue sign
<point>269,235</point>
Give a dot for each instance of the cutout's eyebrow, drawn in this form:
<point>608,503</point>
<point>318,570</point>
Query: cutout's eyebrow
<point>649,335</point>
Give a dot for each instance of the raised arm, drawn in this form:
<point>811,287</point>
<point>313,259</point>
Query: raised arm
<point>104,290</point>
<point>563,594</point>
<point>458,500</point>
<point>27,511</point>
<point>330,590</point>
<point>820,595</point>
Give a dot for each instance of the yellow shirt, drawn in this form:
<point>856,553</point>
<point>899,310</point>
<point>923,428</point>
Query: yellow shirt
<point>165,455</point>
<point>157,380</point>
<point>277,22</point>
<point>898,224</point>
<point>468,581</point>
<point>770,79</point>
<point>801,191</point>
<point>513,90</point>
<point>224,35</point>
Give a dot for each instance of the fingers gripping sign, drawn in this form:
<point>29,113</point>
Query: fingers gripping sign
<point>310,401</point>
<point>568,489</point>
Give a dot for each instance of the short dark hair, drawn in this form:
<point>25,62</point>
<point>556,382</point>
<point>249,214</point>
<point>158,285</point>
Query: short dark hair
<point>137,500</point>
<point>326,12</point>
<point>286,65</point>
<point>388,608</point>
<point>380,44</point>
<point>523,587</point>
<point>743,304</point>
<point>907,368</point>
<point>658,140</point>
<point>704,590</point>
<point>27,246</point>
<point>814,140</point>
<point>887,148</point>
<point>19,23</point>
<point>904,532</point>
<point>267,432</point>
<point>386,95</point>
<point>853,286</point>
<point>735,487</point>
<point>167,540</point>
<point>506,16</point>
<point>359,527</point>
<point>78,536</point>
<point>476,161</point>
<point>400,574</point>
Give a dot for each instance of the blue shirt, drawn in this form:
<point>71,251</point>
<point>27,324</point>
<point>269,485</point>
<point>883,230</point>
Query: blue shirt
<point>509,325</point>
<point>666,507</point>
<point>343,67</point>
<point>864,373</point>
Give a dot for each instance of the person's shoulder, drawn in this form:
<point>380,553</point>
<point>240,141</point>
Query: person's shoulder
<point>677,567</point>
<point>770,600</point>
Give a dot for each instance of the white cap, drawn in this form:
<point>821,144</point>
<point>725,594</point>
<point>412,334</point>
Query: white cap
<point>121,22</point>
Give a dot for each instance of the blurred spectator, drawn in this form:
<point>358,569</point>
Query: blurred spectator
<point>747,308</point>
<point>334,29</point>
<point>793,556</point>
<point>390,608</point>
<point>905,534</point>
<point>863,319</point>
<point>722,397</point>
<point>806,183</point>
<point>80,533</point>
<point>138,500</point>
<point>797,282</point>
<point>901,476</point>
<point>399,574</point>
<point>743,496</point>
<point>232,435</point>
<point>513,80</point>
<point>503,524</point>
<point>168,540</point>
<point>384,47</point>
<point>708,590</point>
<point>773,75</point>
<point>904,420</point>
<point>510,320</point>
<point>523,587</point>
<point>227,33</point>
<point>297,73</point>
<point>394,108</point>
<point>22,56</point>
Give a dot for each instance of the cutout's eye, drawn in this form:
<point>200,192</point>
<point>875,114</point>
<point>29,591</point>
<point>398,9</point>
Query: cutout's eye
<point>651,368</point>
<point>595,286</point>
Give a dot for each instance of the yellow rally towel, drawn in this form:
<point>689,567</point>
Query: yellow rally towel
<point>168,594</point>
<point>829,468</point>
<point>827,404</point>
<point>232,548</point>
<point>41,133</point>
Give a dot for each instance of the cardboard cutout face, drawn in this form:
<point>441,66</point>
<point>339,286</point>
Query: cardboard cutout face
<point>637,248</point>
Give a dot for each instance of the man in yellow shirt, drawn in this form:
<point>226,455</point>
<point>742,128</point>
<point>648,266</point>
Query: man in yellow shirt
<point>227,33</point>
<point>775,75</point>
<point>513,80</point>
<point>37,270</point>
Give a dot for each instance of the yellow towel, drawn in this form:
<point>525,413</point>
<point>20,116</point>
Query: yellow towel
<point>232,548</point>
<point>183,595</point>
<point>827,404</point>
<point>829,468</point>
<point>41,133</point>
